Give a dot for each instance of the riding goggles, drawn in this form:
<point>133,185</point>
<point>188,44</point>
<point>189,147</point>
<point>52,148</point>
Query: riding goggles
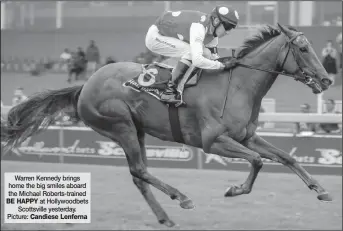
<point>228,26</point>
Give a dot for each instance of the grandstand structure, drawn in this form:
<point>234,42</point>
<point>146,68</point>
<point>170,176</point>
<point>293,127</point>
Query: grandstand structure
<point>47,14</point>
<point>36,30</point>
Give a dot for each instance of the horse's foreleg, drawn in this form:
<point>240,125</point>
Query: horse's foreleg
<point>144,188</point>
<point>267,150</point>
<point>227,147</point>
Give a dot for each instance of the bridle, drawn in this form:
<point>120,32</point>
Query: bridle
<point>304,77</point>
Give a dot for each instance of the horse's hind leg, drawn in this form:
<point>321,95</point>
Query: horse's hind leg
<point>144,188</point>
<point>267,150</point>
<point>115,122</point>
<point>138,169</point>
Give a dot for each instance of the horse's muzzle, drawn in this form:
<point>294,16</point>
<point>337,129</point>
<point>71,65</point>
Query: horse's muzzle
<point>312,83</point>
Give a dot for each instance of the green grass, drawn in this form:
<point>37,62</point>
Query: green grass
<point>278,201</point>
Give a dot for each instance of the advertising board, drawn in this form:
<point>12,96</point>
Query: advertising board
<point>88,147</point>
<point>318,155</point>
<point>43,147</point>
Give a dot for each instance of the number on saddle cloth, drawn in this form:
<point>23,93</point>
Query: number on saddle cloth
<point>154,78</point>
<point>155,75</point>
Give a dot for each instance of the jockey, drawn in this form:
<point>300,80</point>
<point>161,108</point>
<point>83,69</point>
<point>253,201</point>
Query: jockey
<point>193,37</point>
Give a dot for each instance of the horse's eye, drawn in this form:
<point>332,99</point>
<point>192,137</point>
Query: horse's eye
<point>303,49</point>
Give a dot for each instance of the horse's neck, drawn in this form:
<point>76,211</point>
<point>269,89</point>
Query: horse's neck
<point>264,57</point>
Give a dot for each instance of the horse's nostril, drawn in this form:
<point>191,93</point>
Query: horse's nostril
<point>327,81</point>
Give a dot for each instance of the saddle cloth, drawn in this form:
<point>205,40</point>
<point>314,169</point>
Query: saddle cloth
<point>154,78</point>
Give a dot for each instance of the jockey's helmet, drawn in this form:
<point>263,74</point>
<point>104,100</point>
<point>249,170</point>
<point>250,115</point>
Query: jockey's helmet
<point>227,16</point>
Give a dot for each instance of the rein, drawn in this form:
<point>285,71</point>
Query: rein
<point>267,70</point>
<point>305,78</point>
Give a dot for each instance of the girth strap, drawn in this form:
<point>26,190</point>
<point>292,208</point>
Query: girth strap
<point>175,124</point>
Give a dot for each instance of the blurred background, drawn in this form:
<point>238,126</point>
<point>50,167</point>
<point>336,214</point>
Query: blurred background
<point>46,45</point>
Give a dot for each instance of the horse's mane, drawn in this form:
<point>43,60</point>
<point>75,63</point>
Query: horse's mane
<point>264,34</point>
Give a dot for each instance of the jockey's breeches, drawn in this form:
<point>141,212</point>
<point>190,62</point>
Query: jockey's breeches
<point>169,46</point>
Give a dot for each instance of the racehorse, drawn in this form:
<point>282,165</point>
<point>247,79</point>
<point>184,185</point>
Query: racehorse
<point>221,115</point>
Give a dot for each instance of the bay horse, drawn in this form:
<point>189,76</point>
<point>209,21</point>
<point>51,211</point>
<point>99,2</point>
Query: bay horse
<point>223,127</point>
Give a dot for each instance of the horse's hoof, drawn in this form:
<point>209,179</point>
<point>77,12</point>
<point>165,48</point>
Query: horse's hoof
<point>231,191</point>
<point>167,223</point>
<point>187,204</point>
<point>325,196</point>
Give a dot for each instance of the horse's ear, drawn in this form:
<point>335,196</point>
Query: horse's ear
<point>285,30</point>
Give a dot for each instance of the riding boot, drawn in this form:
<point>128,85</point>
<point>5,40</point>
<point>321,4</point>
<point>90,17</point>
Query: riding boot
<point>170,95</point>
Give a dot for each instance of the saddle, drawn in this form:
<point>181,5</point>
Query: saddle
<point>154,78</point>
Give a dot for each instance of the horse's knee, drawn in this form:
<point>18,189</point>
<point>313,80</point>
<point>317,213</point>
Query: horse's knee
<point>257,162</point>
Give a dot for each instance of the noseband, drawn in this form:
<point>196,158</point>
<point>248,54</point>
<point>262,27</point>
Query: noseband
<point>304,77</point>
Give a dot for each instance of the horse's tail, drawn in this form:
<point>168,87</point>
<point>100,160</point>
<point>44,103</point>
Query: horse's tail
<point>36,114</point>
